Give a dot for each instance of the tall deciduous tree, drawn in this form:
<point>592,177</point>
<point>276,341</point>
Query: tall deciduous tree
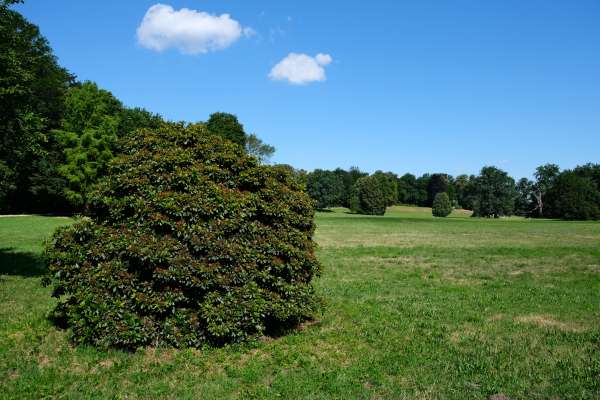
<point>257,148</point>
<point>545,176</point>
<point>32,87</point>
<point>494,193</point>
<point>525,201</point>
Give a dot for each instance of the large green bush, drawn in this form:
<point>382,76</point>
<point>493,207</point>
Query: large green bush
<point>188,242</point>
<point>441,205</point>
<point>368,196</point>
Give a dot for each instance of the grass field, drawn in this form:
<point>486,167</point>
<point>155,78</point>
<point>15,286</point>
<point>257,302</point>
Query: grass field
<point>417,307</point>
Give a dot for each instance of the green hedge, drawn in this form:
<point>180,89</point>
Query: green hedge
<point>188,242</point>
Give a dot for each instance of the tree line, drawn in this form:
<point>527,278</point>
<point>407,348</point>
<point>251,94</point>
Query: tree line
<point>567,194</point>
<point>57,135</point>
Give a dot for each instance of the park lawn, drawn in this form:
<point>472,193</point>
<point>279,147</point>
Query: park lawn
<point>417,307</point>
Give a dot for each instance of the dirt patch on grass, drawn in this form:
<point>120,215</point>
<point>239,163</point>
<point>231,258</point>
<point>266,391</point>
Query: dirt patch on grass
<point>44,361</point>
<point>158,356</point>
<point>547,321</point>
<point>106,363</point>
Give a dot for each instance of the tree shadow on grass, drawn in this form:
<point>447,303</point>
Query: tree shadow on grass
<point>13,262</point>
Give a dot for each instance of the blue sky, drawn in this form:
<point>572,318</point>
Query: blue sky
<point>412,86</point>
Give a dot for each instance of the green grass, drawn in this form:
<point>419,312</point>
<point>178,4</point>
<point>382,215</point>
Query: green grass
<point>418,307</point>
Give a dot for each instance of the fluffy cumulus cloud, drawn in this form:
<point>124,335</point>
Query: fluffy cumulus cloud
<point>189,31</point>
<point>300,69</point>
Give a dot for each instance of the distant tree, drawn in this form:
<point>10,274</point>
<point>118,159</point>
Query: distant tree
<point>441,205</point>
<point>494,193</point>
<point>389,185</point>
<point>32,88</point>
<point>326,188</point>
<point>573,197</point>
<point>408,191</point>
<point>545,176</point>
<point>258,149</point>
<point>227,126</point>
<point>438,183</point>
<point>368,197</point>
<point>349,178</point>
<point>422,184</point>
<point>463,188</point>
<point>591,171</point>
<point>452,191</point>
<point>525,201</point>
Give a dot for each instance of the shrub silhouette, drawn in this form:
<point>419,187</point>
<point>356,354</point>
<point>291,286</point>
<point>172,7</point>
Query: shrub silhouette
<point>187,242</point>
<point>441,205</point>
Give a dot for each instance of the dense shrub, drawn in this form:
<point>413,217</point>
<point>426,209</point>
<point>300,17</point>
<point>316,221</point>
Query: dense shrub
<point>573,197</point>
<point>441,205</point>
<point>188,241</point>
<point>368,197</point>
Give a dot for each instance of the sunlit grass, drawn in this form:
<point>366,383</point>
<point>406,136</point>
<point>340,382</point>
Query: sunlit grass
<point>417,307</point>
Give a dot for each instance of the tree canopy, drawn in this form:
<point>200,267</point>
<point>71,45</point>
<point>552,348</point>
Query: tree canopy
<point>227,126</point>
<point>32,89</point>
<point>494,193</point>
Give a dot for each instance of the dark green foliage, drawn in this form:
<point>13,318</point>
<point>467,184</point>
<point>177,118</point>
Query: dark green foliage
<point>573,197</point>
<point>494,193</point>
<point>326,188</point>
<point>189,242</point>
<point>441,205</point>
<point>422,184</point>
<point>591,171</point>
<point>545,176</point>
<point>464,188</point>
<point>131,119</point>
<point>408,192</point>
<point>227,126</point>
<point>368,196</point>
<point>525,203</point>
<point>32,87</point>
<point>348,179</point>
<point>437,183</point>
<point>389,184</point>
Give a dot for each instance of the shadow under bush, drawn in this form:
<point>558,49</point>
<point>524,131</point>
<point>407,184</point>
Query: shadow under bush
<point>189,242</point>
<point>21,264</point>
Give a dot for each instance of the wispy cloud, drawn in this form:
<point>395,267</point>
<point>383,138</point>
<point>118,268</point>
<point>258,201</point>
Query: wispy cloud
<point>189,31</point>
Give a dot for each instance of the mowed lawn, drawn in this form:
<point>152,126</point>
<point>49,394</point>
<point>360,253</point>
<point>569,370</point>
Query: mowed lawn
<point>417,307</point>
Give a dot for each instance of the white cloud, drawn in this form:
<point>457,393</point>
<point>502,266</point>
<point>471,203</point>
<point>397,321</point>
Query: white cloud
<point>300,69</point>
<point>189,31</point>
